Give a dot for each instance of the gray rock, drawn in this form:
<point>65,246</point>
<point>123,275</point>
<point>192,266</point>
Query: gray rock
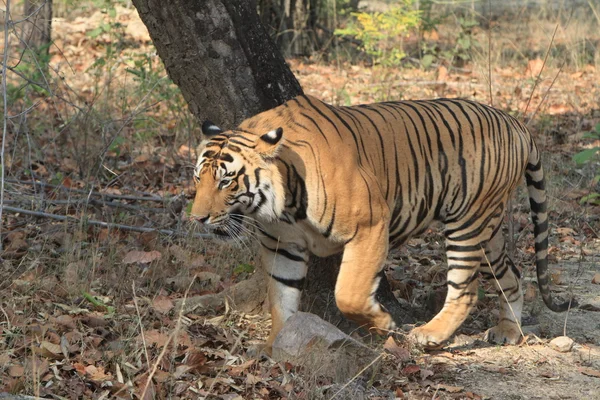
<point>321,348</point>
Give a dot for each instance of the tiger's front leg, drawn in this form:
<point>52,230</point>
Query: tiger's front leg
<point>359,277</point>
<point>286,266</point>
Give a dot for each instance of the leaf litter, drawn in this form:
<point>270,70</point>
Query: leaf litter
<point>75,331</point>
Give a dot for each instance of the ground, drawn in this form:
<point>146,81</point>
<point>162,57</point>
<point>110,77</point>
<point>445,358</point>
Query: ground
<point>91,311</point>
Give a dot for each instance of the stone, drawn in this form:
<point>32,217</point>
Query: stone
<point>307,340</point>
<point>563,344</point>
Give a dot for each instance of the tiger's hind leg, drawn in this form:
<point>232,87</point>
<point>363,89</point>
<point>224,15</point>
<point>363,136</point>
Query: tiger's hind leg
<point>466,240</point>
<point>498,266</point>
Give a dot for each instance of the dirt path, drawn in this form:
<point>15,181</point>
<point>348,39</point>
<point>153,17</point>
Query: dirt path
<point>535,370</point>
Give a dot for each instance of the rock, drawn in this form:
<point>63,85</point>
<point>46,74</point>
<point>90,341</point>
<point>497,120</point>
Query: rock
<point>307,340</point>
<point>562,344</point>
<point>532,330</point>
<point>246,296</point>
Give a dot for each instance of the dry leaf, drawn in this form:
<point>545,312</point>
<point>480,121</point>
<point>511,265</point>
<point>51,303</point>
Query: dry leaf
<point>141,257</point>
<point>554,109</point>
<point>184,151</point>
<point>252,380</point>
<point>410,369</point>
<point>162,304</point>
<point>534,67</point>
<point>392,347</point>
<point>155,337</point>
<point>71,273</point>
<point>590,372</point>
<point>426,373</point>
<point>196,359</point>
<point>442,73</point>
<point>80,368</point>
<point>450,389</point>
<point>565,231</point>
<point>180,370</point>
<point>16,371</point>
<point>49,350</point>
<point>556,277</point>
<point>141,158</point>
<point>596,278</point>
<point>530,292</point>
<point>66,321</point>
<point>97,373</point>
<point>209,276</point>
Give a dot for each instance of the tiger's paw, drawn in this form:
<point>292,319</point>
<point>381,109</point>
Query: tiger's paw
<point>259,350</point>
<point>506,332</point>
<point>430,336</point>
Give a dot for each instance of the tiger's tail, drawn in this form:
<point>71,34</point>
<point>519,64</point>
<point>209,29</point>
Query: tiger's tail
<point>534,176</point>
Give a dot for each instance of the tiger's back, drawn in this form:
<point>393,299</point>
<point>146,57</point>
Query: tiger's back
<point>429,157</point>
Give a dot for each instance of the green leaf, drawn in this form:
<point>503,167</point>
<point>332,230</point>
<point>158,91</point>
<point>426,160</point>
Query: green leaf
<point>427,60</point>
<point>188,208</point>
<point>480,293</point>
<point>591,135</point>
<point>247,268</point>
<point>97,303</point>
<point>593,198</point>
<point>94,33</point>
<point>586,155</point>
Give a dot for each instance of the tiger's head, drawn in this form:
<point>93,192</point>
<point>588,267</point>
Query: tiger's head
<point>236,175</point>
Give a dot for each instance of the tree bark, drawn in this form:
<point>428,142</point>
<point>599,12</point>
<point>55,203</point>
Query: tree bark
<point>220,56</point>
<point>228,69</point>
<point>292,24</point>
<point>37,28</point>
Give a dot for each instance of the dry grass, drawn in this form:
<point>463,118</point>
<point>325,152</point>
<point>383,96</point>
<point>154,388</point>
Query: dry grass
<point>120,126</point>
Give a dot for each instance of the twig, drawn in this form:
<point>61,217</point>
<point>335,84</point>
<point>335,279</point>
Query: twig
<point>108,225</point>
<point>172,336</point>
<point>99,194</point>
<point>138,110</point>
<point>490,55</point>
<point>356,376</point>
<point>427,83</point>
<point>517,320</point>
<point>537,80</point>
<point>7,24</point>
<point>8,324</point>
<point>95,202</point>
<point>137,310</point>
<point>547,92</point>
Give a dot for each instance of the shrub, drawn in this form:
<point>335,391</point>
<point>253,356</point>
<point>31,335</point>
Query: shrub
<point>381,33</point>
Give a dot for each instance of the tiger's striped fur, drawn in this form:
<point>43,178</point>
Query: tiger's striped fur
<point>322,179</point>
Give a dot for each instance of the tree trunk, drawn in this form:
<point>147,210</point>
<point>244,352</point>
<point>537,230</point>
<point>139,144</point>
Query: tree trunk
<point>292,24</point>
<point>228,69</point>
<point>37,29</point>
<point>220,56</point>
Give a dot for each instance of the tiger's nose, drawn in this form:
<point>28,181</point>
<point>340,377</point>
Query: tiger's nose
<point>202,220</point>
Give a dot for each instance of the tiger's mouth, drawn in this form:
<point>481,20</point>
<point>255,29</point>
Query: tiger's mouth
<point>224,228</point>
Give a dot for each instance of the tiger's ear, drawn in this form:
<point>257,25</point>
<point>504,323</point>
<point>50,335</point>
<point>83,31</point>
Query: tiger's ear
<point>209,129</point>
<point>269,143</point>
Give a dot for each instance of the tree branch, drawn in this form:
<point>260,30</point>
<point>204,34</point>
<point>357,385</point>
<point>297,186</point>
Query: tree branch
<point>103,224</point>
<point>98,194</point>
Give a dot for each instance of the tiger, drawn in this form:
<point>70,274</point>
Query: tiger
<point>313,178</point>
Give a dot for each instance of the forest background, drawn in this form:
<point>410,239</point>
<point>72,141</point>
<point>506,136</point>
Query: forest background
<point>97,159</point>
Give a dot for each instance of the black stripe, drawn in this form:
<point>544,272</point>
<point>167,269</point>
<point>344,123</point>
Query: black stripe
<point>285,253</point>
<point>293,283</point>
